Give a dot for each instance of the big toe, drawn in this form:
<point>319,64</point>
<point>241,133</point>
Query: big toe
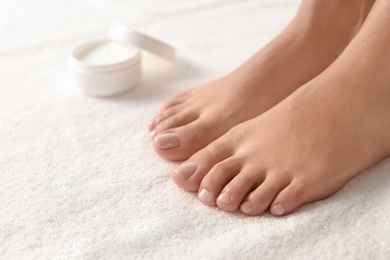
<point>180,143</point>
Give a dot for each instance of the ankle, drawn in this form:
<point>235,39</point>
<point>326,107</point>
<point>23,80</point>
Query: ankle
<point>332,22</point>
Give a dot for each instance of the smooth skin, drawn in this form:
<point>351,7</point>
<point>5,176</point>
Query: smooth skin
<point>310,144</point>
<point>311,42</point>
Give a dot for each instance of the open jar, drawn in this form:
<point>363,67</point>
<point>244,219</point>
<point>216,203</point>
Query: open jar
<point>111,66</point>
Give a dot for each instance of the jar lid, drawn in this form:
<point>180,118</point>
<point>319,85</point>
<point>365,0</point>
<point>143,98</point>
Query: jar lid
<point>110,66</point>
<point>122,33</point>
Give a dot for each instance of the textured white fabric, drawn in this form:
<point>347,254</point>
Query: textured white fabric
<point>79,178</point>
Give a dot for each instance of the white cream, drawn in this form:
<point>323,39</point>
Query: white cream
<point>113,65</point>
<point>108,52</point>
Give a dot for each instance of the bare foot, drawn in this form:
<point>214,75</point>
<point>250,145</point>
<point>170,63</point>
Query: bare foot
<point>309,145</point>
<point>313,40</point>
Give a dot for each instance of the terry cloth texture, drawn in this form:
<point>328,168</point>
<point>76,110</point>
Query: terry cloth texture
<point>79,178</point>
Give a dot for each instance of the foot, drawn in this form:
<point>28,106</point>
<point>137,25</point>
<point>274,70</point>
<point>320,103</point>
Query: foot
<point>305,148</point>
<point>312,41</point>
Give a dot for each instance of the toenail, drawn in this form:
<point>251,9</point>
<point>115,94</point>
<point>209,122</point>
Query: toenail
<point>225,198</point>
<point>204,195</point>
<point>186,170</point>
<point>278,209</point>
<point>166,141</point>
<point>246,207</point>
<point>152,123</point>
<point>152,133</point>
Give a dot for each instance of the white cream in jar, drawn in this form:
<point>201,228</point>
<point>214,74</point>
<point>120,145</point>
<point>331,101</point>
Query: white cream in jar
<point>111,66</point>
<point>108,52</point>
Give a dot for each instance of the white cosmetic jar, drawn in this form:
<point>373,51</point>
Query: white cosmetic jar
<point>111,66</point>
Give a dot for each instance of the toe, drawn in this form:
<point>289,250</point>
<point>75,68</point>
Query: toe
<point>190,174</point>
<point>177,120</point>
<point>236,190</point>
<point>164,114</point>
<point>216,179</point>
<point>177,144</point>
<point>290,198</point>
<point>176,100</point>
<point>261,198</point>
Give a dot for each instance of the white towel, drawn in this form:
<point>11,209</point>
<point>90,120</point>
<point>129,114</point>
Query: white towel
<point>79,178</point>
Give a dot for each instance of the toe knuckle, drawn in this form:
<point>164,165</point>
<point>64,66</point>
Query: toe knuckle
<point>208,183</point>
<point>164,113</point>
<point>168,112</point>
<point>245,179</point>
<point>299,191</point>
<point>220,167</point>
<point>191,134</point>
<point>208,153</point>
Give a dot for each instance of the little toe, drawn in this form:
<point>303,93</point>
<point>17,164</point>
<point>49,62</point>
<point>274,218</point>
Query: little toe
<point>290,198</point>
<point>258,201</point>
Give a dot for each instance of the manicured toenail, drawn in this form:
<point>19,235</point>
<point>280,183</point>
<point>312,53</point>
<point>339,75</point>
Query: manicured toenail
<point>186,170</point>
<point>166,141</point>
<point>152,124</point>
<point>204,195</point>
<point>225,198</point>
<point>152,133</point>
<point>278,209</point>
<point>246,207</point>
